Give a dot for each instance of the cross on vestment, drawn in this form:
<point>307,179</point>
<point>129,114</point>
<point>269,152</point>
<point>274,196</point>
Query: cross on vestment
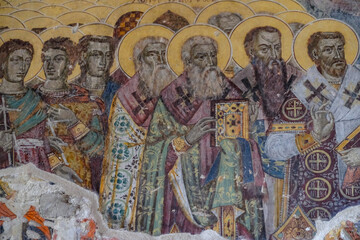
<point>317,188</point>
<point>316,92</point>
<point>317,161</point>
<point>355,95</point>
<point>352,189</point>
<point>142,103</point>
<point>185,98</point>
<point>295,108</point>
<point>4,109</point>
<point>251,90</point>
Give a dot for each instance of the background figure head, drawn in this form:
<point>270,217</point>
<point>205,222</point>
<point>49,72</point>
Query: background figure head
<point>150,63</point>
<point>96,55</point>
<point>199,55</point>
<point>326,49</point>
<point>15,59</point>
<point>59,57</point>
<point>226,21</point>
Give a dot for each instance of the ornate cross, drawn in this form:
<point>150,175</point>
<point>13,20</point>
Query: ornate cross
<point>352,190</point>
<point>252,90</point>
<point>294,108</point>
<point>316,91</point>
<point>142,101</point>
<point>185,98</point>
<point>317,161</point>
<point>355,95</point>
<point>317,188</point>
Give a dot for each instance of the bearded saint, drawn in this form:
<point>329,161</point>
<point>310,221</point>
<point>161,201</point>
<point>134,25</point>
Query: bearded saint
<point>176,193</point>
<point>130,116</point>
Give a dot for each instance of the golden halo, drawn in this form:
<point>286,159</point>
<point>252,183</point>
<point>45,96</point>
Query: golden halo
<point>101,12</point>
<point>156,11</point>
<point>32,5</point>
<point>35,41</point>
<point>10,22</point>
<point>123,9</point>
<point>55,2</point>
<point>266,7</point>
<point>224,6</point>
<point>238,35</point>
<point>6,4</point>
<point>77,17</point>
<point>126,46</point>
<point>7,10</point>
<point>24,15</point>
<point>173,52</point>
<point>78,5</point>
<point>112,3</point>
<point>289,4</point>
<point>63,31</point>
<point>54,10</point>
<point>325,25</point>
<point>41,22</point>
<point>99,29</point>
<point>296,17</point>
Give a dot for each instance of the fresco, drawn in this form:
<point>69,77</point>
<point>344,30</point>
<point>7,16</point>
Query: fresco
<point>238,117</point>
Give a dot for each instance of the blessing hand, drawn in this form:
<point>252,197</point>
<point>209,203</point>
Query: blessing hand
<point>62,114</point>
<point>201,128</point>
<point>351,157</point>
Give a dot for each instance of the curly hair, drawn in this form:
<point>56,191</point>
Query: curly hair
<point>316,37</point>
<point>250,36</point>
<point>11,46</point>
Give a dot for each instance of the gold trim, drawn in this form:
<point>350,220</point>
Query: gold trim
<point>318,199</point>
<point>295,16</point>
<point>112,3</point>
<point>55,2</point>
<point>180,145</point>
<point>318,171</point>
<point>177,41</point>
<point>26,14</point>
<point>289,4</point>
<point>343,143</point>
<point>319,208</point>
<point>79,130</point>
<point>325,25</point>
<point>54,161</point>
<point>54,10</point>
<point>10,22</point>
<point>33,5</point>
<point>77,17</point>
<point>266,7</point>
<point>78,5</point>
<point>347,196</point>
<point>101,12</point>
<point>295,108</point>
<point>238,35</point>
<point>7,10</point>
<point>123,9</point>
<point>286,127</point>
<point>306,143</point>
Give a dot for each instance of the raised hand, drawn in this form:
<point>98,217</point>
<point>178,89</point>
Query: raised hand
<point>323,122</point>
<point>351,157</point>
<point>62,114</point>
<point>201,128</point>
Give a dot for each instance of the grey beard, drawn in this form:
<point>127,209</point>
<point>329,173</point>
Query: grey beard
<point>153,80</point>
<point>207,83</point>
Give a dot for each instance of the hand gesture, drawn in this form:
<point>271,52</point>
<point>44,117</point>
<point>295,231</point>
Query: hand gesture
<point>201,128</point>
<point>62,114</point>
<point>323,122</point>
<point>351,157</point>
<point>56,143</point>
<point>6,141</point>
<point>67,173</point>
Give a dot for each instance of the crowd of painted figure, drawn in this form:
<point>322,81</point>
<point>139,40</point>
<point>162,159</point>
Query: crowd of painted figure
<point>141,136</point>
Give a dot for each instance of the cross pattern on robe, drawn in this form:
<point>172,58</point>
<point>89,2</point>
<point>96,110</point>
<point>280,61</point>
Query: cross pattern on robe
<point>352,190</point>
<point>317,161</point>
<point>142,103</point>
<point>251,90</point>
<point>316,92</point>
<point>294,108</point>
<point>355,95</point>
<point>318,215</point>
<point>317,188</point>
<point>184,100</point>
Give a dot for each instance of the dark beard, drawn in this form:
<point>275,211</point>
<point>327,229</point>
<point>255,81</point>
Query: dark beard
<point>152,81</point>
<point>207,83</point>
<point>271,80</point>
<point>331,70</point>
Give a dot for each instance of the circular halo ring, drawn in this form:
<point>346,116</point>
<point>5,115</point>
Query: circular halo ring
<point>289,4</point>
<point>101,12</point>
<point>55,2</point>
<point>156,11</point>
<point>125,8</point>
<point>112,3</point>
<point>295,16</point>
<point>351,47</point>
<point>78,5</point>
<point>63,31</point>
<point>238,35</point>
<point>266,7</point>
<point>11,22</point>
<point>77,17</point>
<point>7,10</point>
<point>35,5</point>
<point>26,14</point>
<point>224,6</point>
<point>34,40</point>
<point>126,46</point>
<point>41,22</point>
<point>173,51</point>
<point>54,10</point>
<point>100,29</point>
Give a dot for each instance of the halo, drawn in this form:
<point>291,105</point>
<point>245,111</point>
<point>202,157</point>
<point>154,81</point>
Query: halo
<point>78,5</point>
<point>10,22</point>
<point>101,12</point>
<point>7,10</point>
<point>289,4</point>
<point>100,29</point>
<point>32,5</point>
<point>63,31</point>
<point>126,46</point>
<point>24,15</point>
<point>238,35</point>
<point>112,3</point>
<point>224,6</point>
<point>176,43</point>
<point>35,41</point>
<point>41,22</point>
<point>6,4</point>
<point>325,25</point>
<point>77,17</point>
<point>156,11</point>
<point>54,10</point>
<point>123,9</point>
<point>55,2</point>
<point>296,16</point>
<point>266,7</point>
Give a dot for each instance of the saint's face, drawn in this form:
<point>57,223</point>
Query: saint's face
<point>56,64</point>
<point>203,55</point>
<point>99,58</point>
<point>154,54</point>
<point>331,56</point>
<point>228,22</point>
<point>267,46</point>
<point>17,65</point>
